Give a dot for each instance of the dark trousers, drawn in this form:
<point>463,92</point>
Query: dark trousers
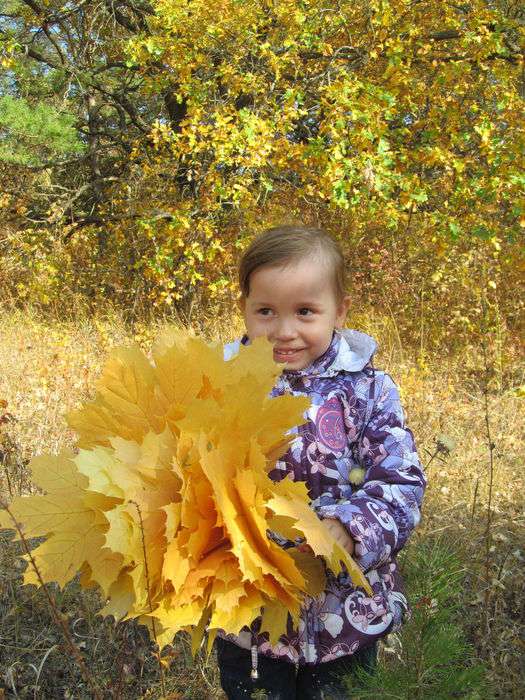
<point>280,680</point>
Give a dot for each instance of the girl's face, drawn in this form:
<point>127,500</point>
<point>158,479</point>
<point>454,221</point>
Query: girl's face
<point>296,308</point>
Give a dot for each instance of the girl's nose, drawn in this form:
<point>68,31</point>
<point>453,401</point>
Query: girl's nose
<point>285,331</point>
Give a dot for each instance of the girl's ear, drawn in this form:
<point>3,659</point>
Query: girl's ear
<point>342,311</point>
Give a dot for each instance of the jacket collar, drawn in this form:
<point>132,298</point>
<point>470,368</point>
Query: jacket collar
<point>349,351</point>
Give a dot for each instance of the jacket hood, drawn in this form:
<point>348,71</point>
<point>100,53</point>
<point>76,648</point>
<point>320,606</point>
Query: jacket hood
<point>349,351</point>
<point>356,350</point>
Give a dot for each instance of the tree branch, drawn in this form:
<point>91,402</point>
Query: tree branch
<point>115,64</point>
<point>445,35</point>
<point>121,18</point>
<point>40,57</point>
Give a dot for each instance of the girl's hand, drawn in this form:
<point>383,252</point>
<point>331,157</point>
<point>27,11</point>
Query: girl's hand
<point>339,533</point>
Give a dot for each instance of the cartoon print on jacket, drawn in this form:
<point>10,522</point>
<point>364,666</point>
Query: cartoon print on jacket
<point>355,420</point>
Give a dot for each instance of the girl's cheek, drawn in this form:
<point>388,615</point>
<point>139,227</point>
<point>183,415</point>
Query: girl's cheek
<point>259,329</point>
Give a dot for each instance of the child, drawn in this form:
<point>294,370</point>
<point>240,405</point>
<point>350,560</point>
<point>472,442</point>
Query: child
<point>355,454</point>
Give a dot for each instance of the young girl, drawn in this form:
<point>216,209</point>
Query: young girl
<point>355,454</point>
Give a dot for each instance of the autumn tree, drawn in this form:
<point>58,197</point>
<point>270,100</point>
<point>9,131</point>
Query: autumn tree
<point>70,111</point>
<point>397,124</point>
<point>399,114</point>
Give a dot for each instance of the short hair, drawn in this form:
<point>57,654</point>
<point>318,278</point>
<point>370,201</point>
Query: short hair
<point>281,245</point>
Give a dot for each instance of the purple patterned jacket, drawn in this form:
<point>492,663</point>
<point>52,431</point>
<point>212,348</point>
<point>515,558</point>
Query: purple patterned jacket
<point>355,421</point>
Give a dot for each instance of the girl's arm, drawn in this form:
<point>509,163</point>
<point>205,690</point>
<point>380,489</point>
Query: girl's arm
<point>381,514</point>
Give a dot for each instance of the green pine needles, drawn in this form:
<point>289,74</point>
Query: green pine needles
<point>430,658</point>
<point>33,133</point>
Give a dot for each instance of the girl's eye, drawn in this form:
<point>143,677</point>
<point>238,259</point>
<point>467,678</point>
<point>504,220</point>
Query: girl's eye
<point>264,311</point>
<point>305,311</point>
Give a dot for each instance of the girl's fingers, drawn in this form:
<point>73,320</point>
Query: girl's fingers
<point>340,534</point>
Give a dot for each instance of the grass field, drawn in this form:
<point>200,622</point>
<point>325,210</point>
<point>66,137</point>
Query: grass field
<point>468,419</point>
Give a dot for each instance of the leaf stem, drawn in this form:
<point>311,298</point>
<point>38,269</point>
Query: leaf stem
<point>150,604</point>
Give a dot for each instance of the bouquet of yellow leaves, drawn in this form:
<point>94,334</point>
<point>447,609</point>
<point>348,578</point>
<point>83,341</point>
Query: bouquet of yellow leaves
<point>166,503</point>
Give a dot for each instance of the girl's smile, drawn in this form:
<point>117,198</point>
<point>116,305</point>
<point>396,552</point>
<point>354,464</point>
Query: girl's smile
<point>286,355</point>
<point>295,306</point>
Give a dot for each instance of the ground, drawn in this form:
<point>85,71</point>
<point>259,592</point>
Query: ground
<point>467,416</point>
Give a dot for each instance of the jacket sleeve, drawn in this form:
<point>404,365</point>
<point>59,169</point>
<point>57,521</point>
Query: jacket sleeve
<point>385,508</point>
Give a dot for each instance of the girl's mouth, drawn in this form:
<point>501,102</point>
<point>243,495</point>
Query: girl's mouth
<point>285,355</point>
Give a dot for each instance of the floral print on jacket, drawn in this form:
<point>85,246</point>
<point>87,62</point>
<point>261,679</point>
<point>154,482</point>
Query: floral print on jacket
<point>355,422</point>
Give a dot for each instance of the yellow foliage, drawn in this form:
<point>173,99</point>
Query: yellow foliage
<point>167,503</point>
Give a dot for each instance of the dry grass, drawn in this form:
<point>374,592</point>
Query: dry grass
<point>49,368</point>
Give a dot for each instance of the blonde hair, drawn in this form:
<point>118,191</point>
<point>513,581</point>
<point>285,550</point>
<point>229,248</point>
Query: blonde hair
<point>281,245</point>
